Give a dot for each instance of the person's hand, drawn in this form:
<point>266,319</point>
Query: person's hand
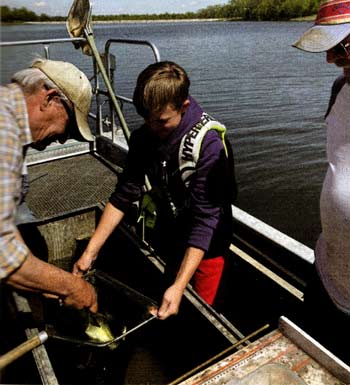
<point>84,263</point>
<point>171,302</point>
<point>82,295</point>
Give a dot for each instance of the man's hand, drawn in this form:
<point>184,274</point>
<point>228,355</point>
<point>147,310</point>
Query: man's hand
<point>38,276</point>
<point>81,295</point>
<point>171,302</point>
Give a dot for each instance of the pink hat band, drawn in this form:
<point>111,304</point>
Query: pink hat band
<point>333,12</point>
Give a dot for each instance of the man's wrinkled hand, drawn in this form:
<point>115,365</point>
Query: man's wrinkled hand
<point>82,296</point>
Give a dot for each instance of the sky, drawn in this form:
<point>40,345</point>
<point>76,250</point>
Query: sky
<point>113,7</point>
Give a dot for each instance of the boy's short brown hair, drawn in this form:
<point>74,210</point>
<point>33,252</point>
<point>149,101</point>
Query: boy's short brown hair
<point>158,85</point>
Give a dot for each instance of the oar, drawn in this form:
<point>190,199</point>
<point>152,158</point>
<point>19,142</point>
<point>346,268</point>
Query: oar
<point>23,348</point>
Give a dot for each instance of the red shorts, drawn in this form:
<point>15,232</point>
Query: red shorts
<point>207,278</point>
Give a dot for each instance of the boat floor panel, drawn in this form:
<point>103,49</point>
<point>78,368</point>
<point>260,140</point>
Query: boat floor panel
<point>66,185</point>
<point>272,349</point>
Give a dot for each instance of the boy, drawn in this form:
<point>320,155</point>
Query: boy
<point>193,225</point>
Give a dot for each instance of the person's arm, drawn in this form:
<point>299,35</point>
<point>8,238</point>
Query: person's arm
<point>128,190</point>
<point>110,219</point>
<point>205,215</point>
<point>38,276</point>
<point>173,295</point>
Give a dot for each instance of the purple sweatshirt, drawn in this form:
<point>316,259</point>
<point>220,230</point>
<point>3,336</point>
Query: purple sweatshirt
<point>205,219</point>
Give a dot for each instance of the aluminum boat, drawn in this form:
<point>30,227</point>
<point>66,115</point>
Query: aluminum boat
<point>250,338</point>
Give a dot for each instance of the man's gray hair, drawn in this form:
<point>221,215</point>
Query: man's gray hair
<point>32,79</point>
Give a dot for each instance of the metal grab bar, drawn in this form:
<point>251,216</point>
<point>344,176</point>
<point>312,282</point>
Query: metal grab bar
<point>108,64</point>
<point>133,42</point>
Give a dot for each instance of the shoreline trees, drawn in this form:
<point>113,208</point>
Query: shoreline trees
<point>235,9</point>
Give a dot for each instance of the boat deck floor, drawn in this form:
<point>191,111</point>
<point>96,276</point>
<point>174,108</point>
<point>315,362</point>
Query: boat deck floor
<point>63,186</point>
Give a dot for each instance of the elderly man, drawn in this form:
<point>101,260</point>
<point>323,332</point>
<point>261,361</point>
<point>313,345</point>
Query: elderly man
<point>328,298</point>
<point>47,102</point>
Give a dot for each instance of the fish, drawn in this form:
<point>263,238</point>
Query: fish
<point>98,330</point>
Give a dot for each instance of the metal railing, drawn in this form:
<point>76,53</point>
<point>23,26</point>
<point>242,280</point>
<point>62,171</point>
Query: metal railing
<point>44,42</point>
<point>110,72</point>
<point>100,117</point>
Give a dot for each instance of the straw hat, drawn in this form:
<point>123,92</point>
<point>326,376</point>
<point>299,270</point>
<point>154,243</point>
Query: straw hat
<point>332,25</point>
<point>75,85</point>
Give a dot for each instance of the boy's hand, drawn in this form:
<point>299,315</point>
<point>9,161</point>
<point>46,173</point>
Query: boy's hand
<point>84,263</point>
<point>171,302</point>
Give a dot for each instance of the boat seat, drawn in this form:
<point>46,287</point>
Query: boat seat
<point>270,374</point>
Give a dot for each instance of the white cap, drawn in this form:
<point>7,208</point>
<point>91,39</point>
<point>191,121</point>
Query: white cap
<point>75,85</point>
<point>332,25</point>
<point>321,38</point>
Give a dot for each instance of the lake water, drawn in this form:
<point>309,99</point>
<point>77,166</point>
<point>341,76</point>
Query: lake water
<point>271,97</point>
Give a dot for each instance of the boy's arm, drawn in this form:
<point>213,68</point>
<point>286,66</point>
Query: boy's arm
<point>110,219</point>
<point>173,295</point>
<point>206,214</point>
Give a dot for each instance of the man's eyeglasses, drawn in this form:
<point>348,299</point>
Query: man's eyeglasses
<point>69,110</point>
<point>71,123</point>
<point>342,47</point>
